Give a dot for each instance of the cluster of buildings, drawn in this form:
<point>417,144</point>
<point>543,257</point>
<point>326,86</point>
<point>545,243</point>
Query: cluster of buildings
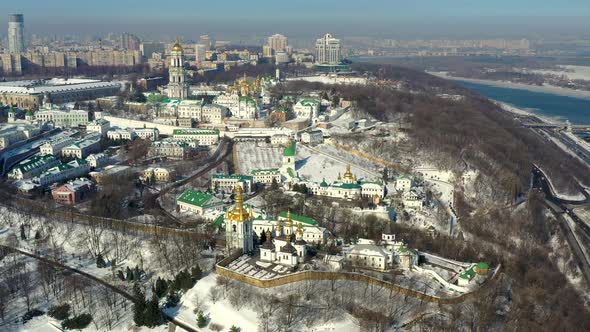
<point>30,94</point>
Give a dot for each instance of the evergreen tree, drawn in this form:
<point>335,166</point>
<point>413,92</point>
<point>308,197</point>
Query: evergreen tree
<point>100,263</point>
<point>37,235</point>
<point>136,274</point>
<point>201,320</point>
<point>139,306</point>
<point>161,287</point>
<point>274,185</point>
<point>121,275</point>
<point>234,328</point>
<point>385,174</point>
<point>172,299</point>
<point>152,315</point>
<point>129,274</point>
<point>23,236</point>
<point>196,274</point>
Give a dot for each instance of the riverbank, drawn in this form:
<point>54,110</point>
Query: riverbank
<point>522,112</point>
<point>519,86</point>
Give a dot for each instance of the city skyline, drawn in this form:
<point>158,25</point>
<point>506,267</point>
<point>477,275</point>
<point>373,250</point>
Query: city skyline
<point>231,20</point>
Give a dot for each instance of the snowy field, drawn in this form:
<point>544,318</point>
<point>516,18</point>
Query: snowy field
<point>327,161</point>
<point>222,312</point>
<point>257,155</point>
<point>312,163</point>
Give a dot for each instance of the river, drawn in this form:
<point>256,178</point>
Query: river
<point>562,108</point>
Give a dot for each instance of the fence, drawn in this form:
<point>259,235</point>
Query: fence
<point>222,270</point>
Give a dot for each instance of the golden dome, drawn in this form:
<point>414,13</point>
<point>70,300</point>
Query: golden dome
<point>348,173</point>
<point>299,229</point>
<point>239,213</point>
<point>177,47</point>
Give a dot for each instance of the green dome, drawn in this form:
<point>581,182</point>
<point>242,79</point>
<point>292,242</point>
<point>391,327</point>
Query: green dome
<point>11,110</point>
<point>29,113</point>
<point>324,183</point>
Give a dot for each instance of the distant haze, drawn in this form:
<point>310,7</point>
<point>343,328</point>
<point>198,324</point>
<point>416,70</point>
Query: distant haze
<point>305,19</point>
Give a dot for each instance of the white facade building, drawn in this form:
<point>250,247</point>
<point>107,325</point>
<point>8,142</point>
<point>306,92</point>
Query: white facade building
<point>328,50</point>
<point>64,119</point>
<point>203,136</point>
<point>55,146</point>
<point>100,126</point>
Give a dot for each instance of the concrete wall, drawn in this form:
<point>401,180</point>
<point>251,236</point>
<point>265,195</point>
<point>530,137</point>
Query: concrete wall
<point>127,123</point>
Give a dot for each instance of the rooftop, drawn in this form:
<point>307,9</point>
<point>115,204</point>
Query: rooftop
<point>196,198</point>
<point>302,219</point>
<point>54,85</point>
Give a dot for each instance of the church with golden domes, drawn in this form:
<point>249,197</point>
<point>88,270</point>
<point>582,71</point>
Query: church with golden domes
<point>283,248</point>
<point>178,87</point>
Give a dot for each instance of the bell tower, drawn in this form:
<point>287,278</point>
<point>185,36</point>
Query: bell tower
<point>238,225</point>
<point>178,88</point>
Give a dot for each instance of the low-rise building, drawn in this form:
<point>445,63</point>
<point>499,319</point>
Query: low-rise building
<point>312,137</point>
<point>97,160</point>
<point>155,175</point>
<point>63,118</point>
<point>73,169</point>
<point>153,134</point>
<point>55,146</point>
<point>280,140</point>
<point>307,108</point>
<point>73,192</point>
<point>203,136</point>
<point>403,183</point>
<point>14,133</point>
<point>33,166</point>
<point>117,134</point>
<point>411,200</point>
<point>266,176</point>
<point>82,148</point>
<point>100,126</point>
<point>198,202</point>
<point>227,183</point>
<point>172,149</point>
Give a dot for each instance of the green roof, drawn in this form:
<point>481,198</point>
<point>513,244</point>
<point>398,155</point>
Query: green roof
<point>248,100</point>
<point>309,102</point>
<point>233,176</point>
<point>195,198</point>
<point>33,163</point>
<point>469,274</point>
<point>11,110</point>
<point>301,219</point>
<point>324,183</point>
<point>290,150</point>
<point>482,266</point>
<point>195,132</point>
<point>219,221</point>
<point>264,171</point>
<point>346,185</point>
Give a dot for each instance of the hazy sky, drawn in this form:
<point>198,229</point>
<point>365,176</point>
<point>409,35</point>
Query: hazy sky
<point>243,19</point>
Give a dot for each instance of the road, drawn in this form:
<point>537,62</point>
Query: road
<point>559,207</point>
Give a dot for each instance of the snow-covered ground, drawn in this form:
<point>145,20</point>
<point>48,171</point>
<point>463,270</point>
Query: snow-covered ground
<point>569,71</point>
<point>257,155</point>
<point>313,163</point>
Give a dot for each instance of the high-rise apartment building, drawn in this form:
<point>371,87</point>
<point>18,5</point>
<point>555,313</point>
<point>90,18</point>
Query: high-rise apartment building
<point>16,33</point>
<point>130,42</point>
<point>328,50</point>
<point>206,41</point>
<point>278,43</point>
<point>148,48</point>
